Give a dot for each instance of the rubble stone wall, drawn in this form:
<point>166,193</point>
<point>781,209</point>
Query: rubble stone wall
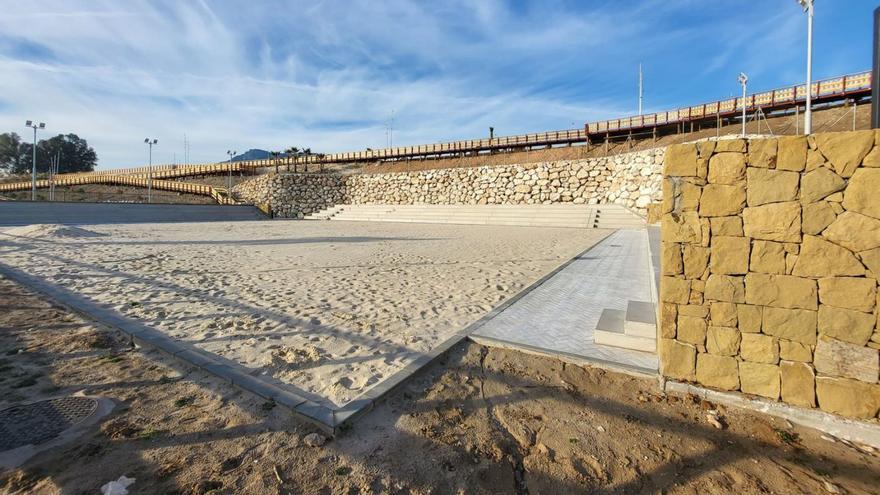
<point>770,261</point>
<point>632,180</point>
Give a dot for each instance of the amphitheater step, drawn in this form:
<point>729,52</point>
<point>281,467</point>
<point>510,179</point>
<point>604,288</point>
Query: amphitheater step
<point>558,215</point>
<point>325,214</point>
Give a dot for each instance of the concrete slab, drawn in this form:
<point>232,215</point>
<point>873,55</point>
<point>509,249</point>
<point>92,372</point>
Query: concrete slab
<point>560,315</point>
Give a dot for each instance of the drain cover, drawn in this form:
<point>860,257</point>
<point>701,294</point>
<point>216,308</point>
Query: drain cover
<point>33,424</point>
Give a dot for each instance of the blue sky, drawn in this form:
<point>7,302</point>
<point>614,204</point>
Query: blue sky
<point>328,74</point>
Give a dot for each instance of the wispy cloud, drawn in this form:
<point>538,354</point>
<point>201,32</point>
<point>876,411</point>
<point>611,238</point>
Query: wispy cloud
<point>328,74</point>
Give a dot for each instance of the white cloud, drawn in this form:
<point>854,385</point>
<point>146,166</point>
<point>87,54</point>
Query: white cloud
<point>327,74</point>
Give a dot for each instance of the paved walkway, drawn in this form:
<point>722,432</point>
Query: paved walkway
<point>559,316</point>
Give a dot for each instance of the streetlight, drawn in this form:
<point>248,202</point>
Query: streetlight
<point>743,79</point>
<point>35,126</point>
<point>150,142</point>
<point>807,5</point>
<point>231,153</point>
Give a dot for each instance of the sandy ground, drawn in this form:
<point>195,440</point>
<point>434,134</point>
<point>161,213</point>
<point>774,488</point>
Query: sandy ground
<point>331,308</point>
<point>482,420</point>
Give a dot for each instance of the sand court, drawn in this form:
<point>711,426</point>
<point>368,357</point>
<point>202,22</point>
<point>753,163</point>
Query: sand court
<point>330,309</point>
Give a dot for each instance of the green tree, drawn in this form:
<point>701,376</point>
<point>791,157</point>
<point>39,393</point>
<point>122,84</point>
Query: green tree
<point>75,153</point>
<point>11,152</point>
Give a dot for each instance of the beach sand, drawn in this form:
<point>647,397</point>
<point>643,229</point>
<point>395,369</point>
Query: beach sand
<point>330,308</point>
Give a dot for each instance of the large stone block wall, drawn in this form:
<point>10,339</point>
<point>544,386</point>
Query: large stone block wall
<point>632,180</point>
<point>770,261</point>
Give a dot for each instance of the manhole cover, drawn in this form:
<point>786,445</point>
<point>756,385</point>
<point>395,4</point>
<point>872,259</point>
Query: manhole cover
<point>33,424</point>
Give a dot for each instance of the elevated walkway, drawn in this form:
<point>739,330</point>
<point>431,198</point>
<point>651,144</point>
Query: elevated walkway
<point>559,215</point>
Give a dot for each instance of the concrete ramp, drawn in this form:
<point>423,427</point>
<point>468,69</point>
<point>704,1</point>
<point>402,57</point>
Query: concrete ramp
<point>556,215</point>
<point>17,213</point>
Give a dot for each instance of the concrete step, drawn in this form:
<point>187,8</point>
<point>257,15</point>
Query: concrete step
<point>611,331</point>
<point>641,319</point>
<point>559,215</point>
<point>325,214</point>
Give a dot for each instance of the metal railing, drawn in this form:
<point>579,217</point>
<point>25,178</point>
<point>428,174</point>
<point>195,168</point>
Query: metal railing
<point>842,86</point>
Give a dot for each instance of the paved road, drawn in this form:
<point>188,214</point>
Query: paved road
<point>16,213</point>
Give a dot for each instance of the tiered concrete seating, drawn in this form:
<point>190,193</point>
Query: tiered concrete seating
<point>567,215</point>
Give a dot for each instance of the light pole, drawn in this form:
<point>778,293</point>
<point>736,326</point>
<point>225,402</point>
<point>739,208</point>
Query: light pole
<point>743,80</point>
<point>231,153</point>
<point>808,118</point>
<point>641,90</point>
<point>150,142</point>
<point>42,125</point>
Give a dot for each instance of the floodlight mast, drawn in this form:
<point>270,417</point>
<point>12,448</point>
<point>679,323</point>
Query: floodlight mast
<point>231,154</point>
<point>807,5</point>
<point>150,142</point>
<point>743,80</point>
<point>42,125</point>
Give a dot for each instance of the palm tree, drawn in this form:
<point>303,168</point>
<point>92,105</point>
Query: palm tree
<point>274,155</point>
<point>306,153</point>
<point>291,152</point>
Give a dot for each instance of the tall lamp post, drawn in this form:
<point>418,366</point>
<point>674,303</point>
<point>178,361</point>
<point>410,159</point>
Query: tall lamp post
<point>743,80</point>
<point>231,154</point>
<point>42,125</point>
<point>808,118</point>
<point>150,142</point>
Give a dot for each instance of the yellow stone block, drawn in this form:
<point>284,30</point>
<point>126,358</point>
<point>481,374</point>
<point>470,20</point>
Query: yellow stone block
<point>848,397</point>
<point>781,291</point>
<point>749,318</point>
<point>799,325</point>
<point>677,360</point>
<point>730,255</point>
<point>759,348</point>
<point>691,330</point>
<point>795,351</point>
<point>723,341</point>
<point>675,290</point>
<point>798,384</point>
<point>759,379</point>
<point>717,371</point>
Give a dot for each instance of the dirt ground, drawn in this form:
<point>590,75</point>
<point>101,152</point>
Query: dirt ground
<point>482,420</point>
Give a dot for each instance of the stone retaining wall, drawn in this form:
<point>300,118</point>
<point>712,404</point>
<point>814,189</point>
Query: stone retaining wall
<point>293,195</point>
<point>770,261</point>
<point>632,180</point>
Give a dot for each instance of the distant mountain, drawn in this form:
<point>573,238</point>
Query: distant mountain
<point>252,154</point>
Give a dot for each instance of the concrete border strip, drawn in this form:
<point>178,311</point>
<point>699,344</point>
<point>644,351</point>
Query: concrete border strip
<point>567,357</point>
<point>838,426</point>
